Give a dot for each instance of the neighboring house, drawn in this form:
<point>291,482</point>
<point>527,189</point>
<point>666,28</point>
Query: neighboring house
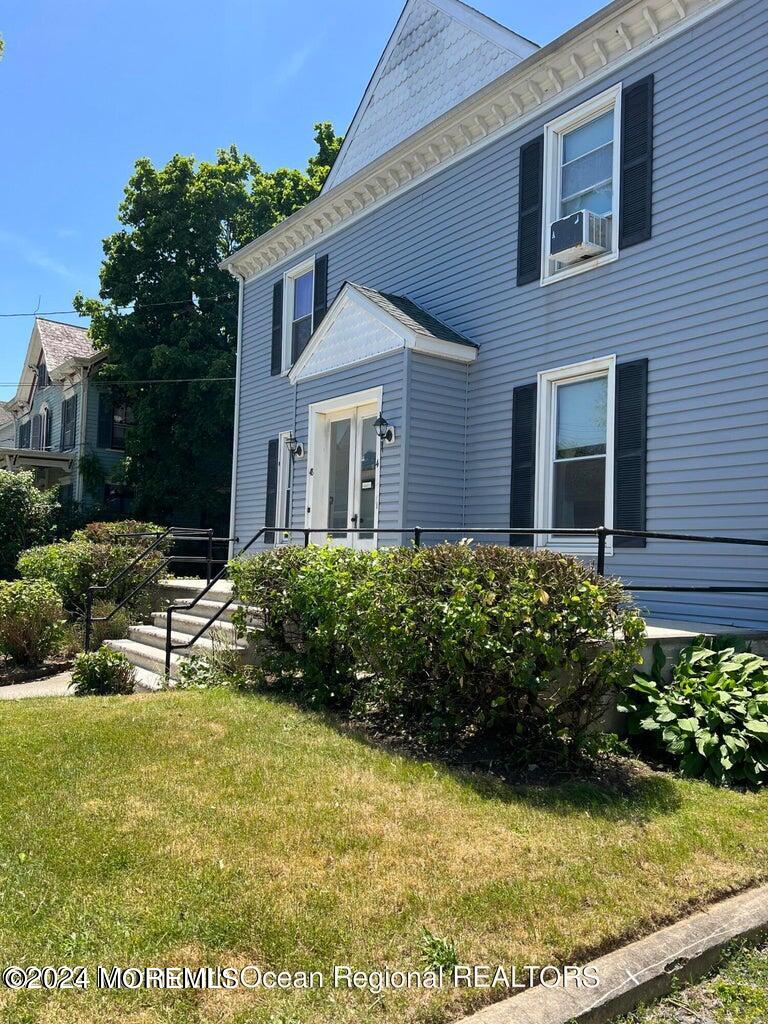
<point>67,429</point>
<point>546,270</point>
<point>7,428</point>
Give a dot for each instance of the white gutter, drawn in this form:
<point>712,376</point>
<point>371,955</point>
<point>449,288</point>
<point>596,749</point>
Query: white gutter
<point>235,438</point>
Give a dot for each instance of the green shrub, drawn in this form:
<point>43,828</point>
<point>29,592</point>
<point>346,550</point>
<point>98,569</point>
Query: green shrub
<point>93,557</point>
<point>447,642</point>
<point>101,673</point>
<point>27,516</point>
<point>710,717</point>
<point>302,633</point>
<point>31,617</point>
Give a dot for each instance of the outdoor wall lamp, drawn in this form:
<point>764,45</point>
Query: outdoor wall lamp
<point>296,448</point>
<point>385,432</point>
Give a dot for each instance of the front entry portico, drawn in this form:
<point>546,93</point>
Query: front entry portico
<point>344,468</point>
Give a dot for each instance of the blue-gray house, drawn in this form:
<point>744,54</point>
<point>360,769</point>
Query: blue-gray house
<point>544,272</point>
<point>62,425</point>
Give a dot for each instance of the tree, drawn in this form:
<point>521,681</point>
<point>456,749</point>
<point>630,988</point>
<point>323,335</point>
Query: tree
<point>27,517</point>
<point>167,313</point>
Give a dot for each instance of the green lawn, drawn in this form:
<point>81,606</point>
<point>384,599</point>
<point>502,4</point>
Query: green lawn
<point>737,994</point>
<point>211,828</point>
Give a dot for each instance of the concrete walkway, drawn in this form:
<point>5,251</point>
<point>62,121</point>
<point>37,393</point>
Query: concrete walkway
<point>52,686</point>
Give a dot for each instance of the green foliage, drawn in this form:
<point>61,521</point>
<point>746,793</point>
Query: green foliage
<point>102,673</point>
<point>92,472</point>
<point>93,557</point>
<point>449,642</point>
<point>438,952</point>
<point>178,222</point>
<point>31,618</point>
<point>220,666</point>
<point>27,516</point>
<point>710,717</point>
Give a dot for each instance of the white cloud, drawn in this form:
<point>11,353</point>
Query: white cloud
<point>294,62</point>
<point>33,255</point>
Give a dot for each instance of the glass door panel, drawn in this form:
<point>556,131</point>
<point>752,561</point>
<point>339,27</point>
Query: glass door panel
<point>367,476</point>
<point>338,474</point>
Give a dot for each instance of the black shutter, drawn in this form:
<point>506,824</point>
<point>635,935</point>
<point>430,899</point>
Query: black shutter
<point>277,328</point>
<point>63,429</point>
<point>630,451</point>
<point>73,420</point>
<point>529,211</point>
<point>37,425</point>
<point>636,192</point>
<point>321,291</point>
<point>270,510</point>
<point>106,411</point>
<point>523,461</point>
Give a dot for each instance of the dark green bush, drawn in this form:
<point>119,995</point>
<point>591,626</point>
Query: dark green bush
<point>93,557</point>
<point>710,717</point>
<point>102,673</point>
<point>447,642</point>
<point>31,620</point>
<point>27,516</point>
<point>302,634</point>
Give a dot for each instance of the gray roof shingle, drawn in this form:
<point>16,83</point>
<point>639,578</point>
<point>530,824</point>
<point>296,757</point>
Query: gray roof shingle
<point>412,316</point>
<point>63,341</point>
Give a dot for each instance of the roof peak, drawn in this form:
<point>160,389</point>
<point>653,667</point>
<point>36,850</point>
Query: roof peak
<point>439,53</point>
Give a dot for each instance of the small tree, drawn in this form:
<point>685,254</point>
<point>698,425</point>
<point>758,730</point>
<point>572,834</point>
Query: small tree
<point>27,517</point>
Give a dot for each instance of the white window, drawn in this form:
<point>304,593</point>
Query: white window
<point>574,451</point>
<point>284,485</point>
<point>298,306</point>
<point>581,172</point>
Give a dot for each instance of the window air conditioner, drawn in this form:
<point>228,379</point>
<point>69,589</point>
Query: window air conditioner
<point>579,236</point>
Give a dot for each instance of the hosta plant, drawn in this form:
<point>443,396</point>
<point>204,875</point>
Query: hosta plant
<point>710,716</point>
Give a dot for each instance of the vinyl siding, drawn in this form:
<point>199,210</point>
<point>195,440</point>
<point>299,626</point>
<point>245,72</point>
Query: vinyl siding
<point>693,299</point>
<point>436,432</point>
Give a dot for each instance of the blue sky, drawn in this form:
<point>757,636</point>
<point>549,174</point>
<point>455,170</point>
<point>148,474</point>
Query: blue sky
<point>87,87</point>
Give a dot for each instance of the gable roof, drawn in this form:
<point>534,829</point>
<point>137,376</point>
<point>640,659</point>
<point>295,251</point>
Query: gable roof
<point>414,318</point>
<point>563,69</point>
<point>440,52</point>
<point>63,341</point>
<point>362,323</point>
<point>59,343</point>
<point>5,415</point>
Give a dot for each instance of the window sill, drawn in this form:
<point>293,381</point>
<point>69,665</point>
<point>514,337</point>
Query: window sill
<point>580,268</point>
<point>586,546</point>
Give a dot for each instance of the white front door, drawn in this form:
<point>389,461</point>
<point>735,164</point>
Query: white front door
<point>345,476</point>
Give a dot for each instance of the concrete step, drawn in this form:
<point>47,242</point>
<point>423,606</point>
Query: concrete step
<point>172,590</point>
<point>154,636</point>
<point>146,681</point>
<point>186,622</point>
<point>142,656</point>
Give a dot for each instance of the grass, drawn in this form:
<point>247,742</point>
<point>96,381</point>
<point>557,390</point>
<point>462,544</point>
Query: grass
<point>208,828</point>
<point>737,994</point>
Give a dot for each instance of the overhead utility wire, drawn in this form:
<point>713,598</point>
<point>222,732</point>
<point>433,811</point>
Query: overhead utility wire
<point>109,383</point>
<point>139,306</point>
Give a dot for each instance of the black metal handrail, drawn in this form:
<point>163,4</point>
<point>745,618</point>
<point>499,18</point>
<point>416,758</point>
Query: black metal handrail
<point>176,533</point>
<point>600,533</point>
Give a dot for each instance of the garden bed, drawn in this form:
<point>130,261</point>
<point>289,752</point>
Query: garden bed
<point>211,828</point>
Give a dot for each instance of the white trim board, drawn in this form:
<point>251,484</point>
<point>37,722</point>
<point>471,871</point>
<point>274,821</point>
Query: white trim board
<point>583,56</point>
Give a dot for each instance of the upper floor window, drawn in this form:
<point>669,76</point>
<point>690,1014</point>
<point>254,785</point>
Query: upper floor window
<point>43,380</point>
<point>299,296</point>
<point>25,434</point>
<point>45,428</point>
<point>581,187</point>
<point>115,420</point>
